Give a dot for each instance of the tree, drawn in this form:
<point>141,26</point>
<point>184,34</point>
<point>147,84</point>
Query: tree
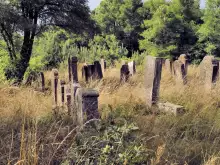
<point>30,17</point>
<point>170,30</point>
<point>122,18</point>
<point>209,32</point>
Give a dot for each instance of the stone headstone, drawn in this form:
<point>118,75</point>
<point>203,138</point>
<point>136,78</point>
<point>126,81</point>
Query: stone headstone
<point>152,79</point>
<point>180,72</point>
<point>132,67</point>
<point>85,73</point>
<point>209,71</point>
<point>69,69</point>
<point>54,84</point>
<point>183,58</point>
<point>103,64</point>
<point>168,66</point>
<point>87,105</point>
<point>74,88</point>
<point>97,74</point>
<point>90,73</point>
<point>171,108</point>
<point>74,69</point>
<point>124,75</point>
<point>68,99</point>
<point>62,84</point>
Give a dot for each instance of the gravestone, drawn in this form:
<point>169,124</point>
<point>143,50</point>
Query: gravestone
<point>97,74</point>
<point>90,71</point>
<point>68,99</point>
<point>74,69</point>
<point>167,107</point>
<point>124,75</point>
<point>180,72</point>
<point>103,64</point>
<point>62,85</point>
<point>209,71</point>
<point>152,79</point>
<point>87,105</point>
<point>168,66</point>
<point>54,84</point>
<point>85,73</point>
<point>69,69</point>
<point>132,67</point>
<point>183,58</point>
<point>74,88</point>
<point>42,80</point>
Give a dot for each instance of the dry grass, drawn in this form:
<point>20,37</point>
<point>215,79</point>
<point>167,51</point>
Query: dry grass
<point>191,139</point>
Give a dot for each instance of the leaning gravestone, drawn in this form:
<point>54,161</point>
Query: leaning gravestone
<point>180,72</point>
<point>209,71</point>
<point>132,67</point>
<point>152,79</point>
<point>124,75</point>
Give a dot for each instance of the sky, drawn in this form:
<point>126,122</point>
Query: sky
<point>94,3</point>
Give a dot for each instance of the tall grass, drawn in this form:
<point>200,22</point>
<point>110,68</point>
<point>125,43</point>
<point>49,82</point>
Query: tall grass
<point>32,135</point>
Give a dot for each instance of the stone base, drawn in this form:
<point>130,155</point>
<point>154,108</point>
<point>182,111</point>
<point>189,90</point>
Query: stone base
<point>171,108</point>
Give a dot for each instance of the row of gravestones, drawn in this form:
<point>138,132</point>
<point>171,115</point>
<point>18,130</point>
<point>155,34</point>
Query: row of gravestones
<point>84,102</point>
<point>209,74</point>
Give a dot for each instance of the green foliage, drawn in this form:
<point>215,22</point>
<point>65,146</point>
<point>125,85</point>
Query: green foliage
<point>4,60</point>
<point>171,29</point>
<point>105,143</point>
<point>209,31</point>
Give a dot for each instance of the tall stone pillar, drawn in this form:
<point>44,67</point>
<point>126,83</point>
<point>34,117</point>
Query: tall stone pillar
<point>74,69</point>
<point>152,79</point>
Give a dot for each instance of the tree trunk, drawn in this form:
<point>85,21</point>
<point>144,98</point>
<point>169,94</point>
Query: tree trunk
<point>26,50</point>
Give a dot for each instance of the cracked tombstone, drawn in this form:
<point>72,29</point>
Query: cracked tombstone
<point>87,105</point>
<point>132,68</point>
<point>124,74</point>
<point>152,79</point>
<point>180,72</point>
<point>97,74</point>
<point>209,71</point>
<point>54,84</point>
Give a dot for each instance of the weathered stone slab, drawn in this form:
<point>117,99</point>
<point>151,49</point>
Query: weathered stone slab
<point>42,81</point>
<point>54,85</point>
<point>209,71</point>
<point>87,105</point>
<point>184,59</point>
<point>74,69</point>
<point>179,71</point>
<point>97,74</point>
<point>124,76</point>
<point>132,67</point>
<point>171,108</point>
<point>62,85</point>
<point>103,64</point>
<point>68,99</point>
<point>169,66</point>
<point>90,71</point>
<point>69,70</point>
<point>152,79</point>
